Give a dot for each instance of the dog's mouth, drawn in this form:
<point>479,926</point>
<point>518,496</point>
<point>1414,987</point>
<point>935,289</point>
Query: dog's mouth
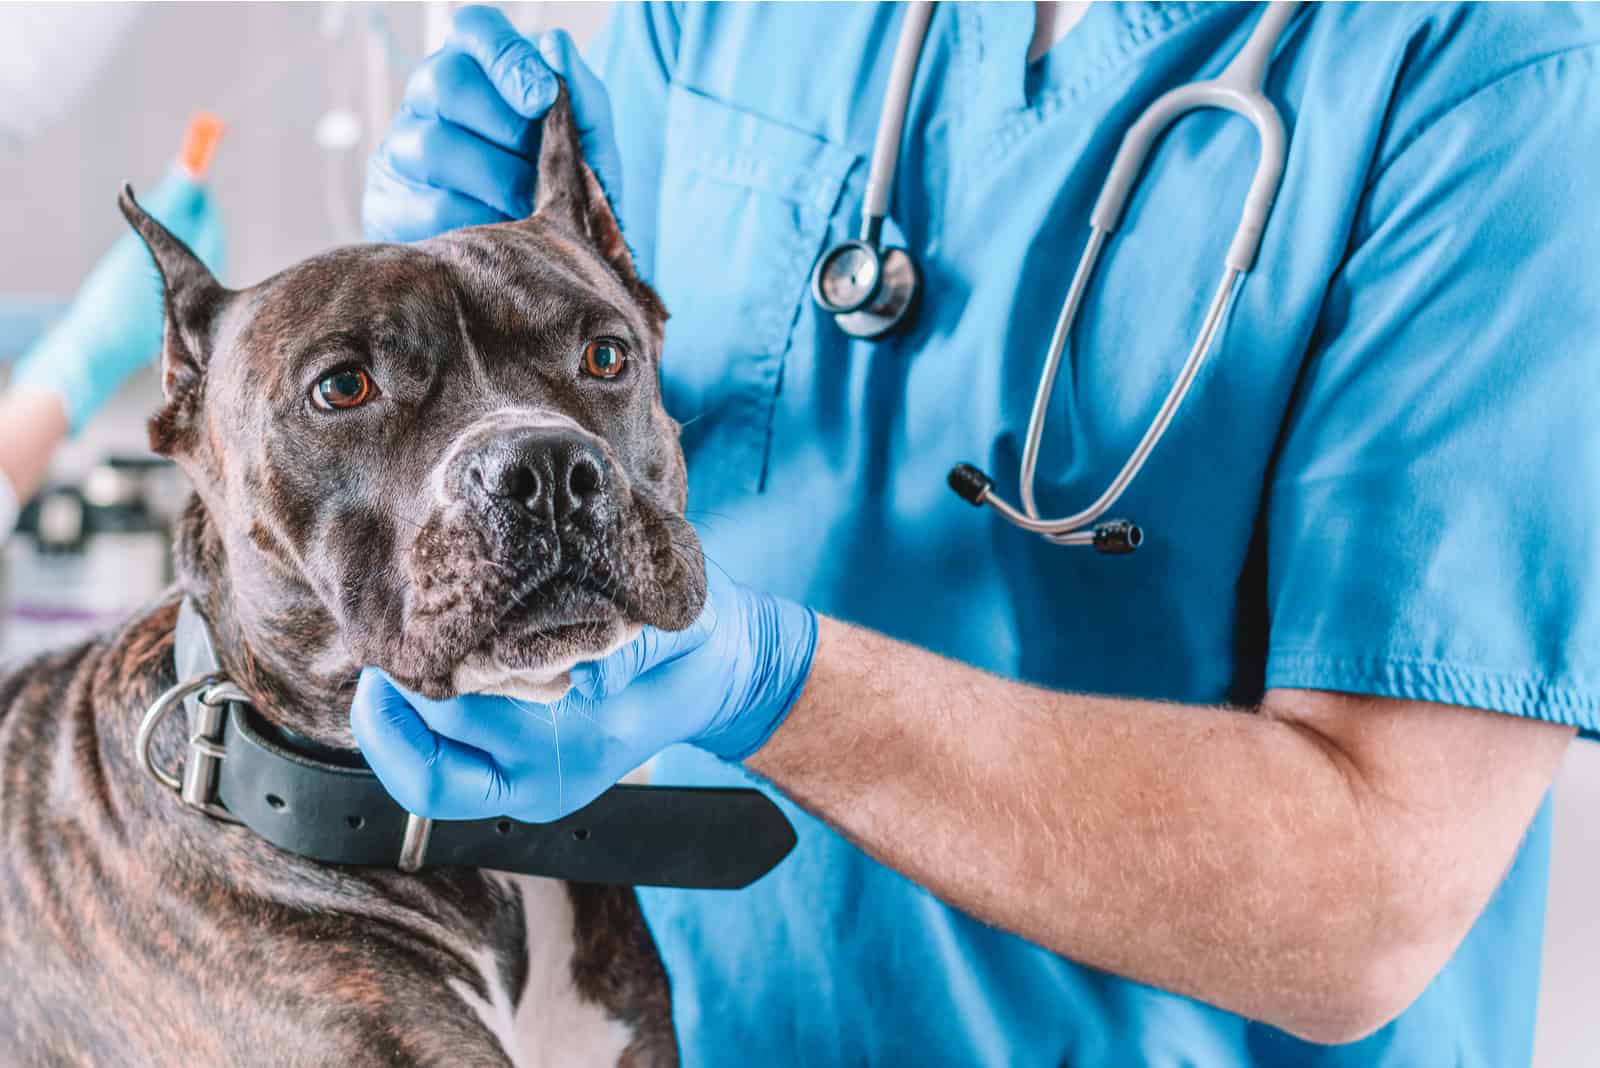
<point>508,608</point>
<point>568,609</point>
<point>529,651</point>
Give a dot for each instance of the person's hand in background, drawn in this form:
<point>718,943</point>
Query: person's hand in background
<point>464,147</point>
<point>724,684</point>
<point>113,325</point>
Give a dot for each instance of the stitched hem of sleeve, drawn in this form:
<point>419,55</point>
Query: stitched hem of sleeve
<point>1418,679</point>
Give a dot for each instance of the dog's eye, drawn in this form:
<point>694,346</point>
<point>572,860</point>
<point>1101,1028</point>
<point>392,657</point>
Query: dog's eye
<point>604,357</point>
<point>349,388</point>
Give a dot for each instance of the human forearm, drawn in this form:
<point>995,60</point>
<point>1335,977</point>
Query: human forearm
<point>1239,858</point>
<point>34,422</point>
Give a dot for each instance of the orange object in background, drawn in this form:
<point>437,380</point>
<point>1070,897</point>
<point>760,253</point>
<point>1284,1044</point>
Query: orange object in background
<point>200,144</point>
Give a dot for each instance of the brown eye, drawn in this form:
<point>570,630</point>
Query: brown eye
<point>349,388</point>
<point>604,357</point>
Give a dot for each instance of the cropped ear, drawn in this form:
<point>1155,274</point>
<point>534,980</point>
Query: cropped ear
<point>568,192</point>
<point>193,300</point>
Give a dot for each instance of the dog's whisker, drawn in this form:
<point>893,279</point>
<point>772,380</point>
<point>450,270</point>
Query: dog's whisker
<point>406,520</point>
<point>586,714</point>
<point>561,781</point>
<point>533,710</point>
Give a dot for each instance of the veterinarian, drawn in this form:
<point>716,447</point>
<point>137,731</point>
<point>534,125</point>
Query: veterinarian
<point>1271,789</point>
<point>111,329</point>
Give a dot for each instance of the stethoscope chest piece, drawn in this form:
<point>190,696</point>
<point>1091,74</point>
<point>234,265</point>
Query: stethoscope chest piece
<point>868,290</point>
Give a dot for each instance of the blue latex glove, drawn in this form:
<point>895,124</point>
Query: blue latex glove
<point>462,151</point>
<point>113,326</point>
<point>724,684</point>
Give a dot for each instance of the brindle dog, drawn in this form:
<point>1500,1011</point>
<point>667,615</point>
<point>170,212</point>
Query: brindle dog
<point>409,456</point>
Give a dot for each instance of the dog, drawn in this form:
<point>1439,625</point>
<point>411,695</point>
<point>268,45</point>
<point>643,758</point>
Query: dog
<point>449,460</point>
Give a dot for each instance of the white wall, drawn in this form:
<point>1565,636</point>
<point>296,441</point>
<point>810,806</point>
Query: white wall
<point>1568,1035</point>
<point>273,70</point>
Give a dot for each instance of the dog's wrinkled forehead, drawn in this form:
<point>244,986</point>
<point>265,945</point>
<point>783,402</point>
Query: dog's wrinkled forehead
<point>537,275</point>
<point>387,298</point>
<point>497,296</point>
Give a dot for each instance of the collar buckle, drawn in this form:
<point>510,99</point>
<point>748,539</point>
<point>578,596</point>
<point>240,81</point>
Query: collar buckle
<point>196,782</point>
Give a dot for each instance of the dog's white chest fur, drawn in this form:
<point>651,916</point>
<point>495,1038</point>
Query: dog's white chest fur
<point>551,1026</point>
<point>541,686</point>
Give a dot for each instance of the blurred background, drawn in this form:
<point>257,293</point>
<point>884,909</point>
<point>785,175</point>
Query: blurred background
<point>95,94</point>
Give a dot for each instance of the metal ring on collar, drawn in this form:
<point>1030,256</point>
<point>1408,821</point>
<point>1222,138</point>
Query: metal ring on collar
<point>223,692</point>
<point>214,690</point>
<point>157,712</point>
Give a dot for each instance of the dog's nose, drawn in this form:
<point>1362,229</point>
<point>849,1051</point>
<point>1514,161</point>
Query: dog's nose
<point>548,472</point>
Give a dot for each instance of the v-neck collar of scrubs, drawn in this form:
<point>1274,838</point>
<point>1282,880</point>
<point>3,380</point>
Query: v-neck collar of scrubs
<point>992,41</point>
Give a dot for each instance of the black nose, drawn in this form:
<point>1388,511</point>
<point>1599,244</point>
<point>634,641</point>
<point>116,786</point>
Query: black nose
<point>548,471</point>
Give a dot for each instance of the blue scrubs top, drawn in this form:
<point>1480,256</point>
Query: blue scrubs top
<point>1384,481</point>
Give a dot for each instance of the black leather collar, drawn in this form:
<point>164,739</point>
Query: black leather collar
<point>328,805</point>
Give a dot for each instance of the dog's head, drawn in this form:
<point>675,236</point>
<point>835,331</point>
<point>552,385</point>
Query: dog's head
<point>447,459</point>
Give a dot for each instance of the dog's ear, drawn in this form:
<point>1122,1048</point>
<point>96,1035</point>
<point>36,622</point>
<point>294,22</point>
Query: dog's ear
<point>193,299</point>
<point>569,192</point>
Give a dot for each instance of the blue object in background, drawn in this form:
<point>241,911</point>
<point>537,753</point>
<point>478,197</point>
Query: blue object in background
<point>113,325</point>
<point>24,317</point>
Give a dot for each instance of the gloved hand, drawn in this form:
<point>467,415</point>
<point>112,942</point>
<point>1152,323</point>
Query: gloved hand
<point>724,685</point>
<point>113,326</point>
<point>464,147</point>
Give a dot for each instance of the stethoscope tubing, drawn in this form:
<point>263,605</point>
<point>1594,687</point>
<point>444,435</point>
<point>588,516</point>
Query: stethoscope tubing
<point>1238,89</point>
<point>1057,529</point>
<point>892,119</point>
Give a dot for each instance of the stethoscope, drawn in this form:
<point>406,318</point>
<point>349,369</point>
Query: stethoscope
<point>870,289</point>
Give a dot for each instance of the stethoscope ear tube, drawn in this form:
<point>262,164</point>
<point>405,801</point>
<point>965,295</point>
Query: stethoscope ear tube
<point>1237,89</point>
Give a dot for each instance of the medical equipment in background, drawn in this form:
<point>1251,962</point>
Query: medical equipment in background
<point>870,289</point>
<point>89,551</point>
<point>87,555</point>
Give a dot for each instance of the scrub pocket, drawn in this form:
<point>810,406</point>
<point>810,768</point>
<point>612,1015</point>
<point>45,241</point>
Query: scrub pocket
<point>745,205</point>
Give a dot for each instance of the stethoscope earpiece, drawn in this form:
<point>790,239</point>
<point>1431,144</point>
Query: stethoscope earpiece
<point>1114,537</point>
<point>970,484</point>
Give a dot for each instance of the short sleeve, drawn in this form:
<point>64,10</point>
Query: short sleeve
<point>635,55</point>
<point>1433,514</point>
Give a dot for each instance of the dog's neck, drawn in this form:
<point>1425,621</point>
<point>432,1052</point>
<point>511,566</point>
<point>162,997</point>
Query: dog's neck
<point>274,638</point>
